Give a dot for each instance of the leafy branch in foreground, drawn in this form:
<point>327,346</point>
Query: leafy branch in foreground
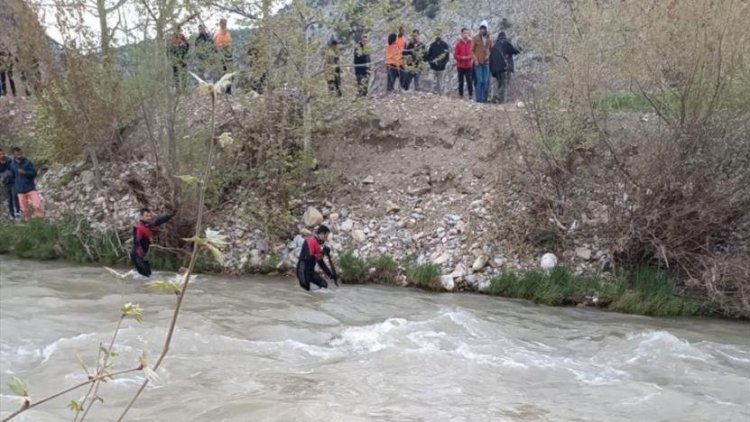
<point>212,241</point>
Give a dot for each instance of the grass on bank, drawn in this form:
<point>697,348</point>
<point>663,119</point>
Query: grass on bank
<point>644,291</point>
<point>75,241</point>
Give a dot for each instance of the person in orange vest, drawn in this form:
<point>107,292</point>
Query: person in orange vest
<point>223,43</point>
<point>393,60</point>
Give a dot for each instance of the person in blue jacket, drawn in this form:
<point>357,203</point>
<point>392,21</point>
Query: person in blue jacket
<point>24,175</point>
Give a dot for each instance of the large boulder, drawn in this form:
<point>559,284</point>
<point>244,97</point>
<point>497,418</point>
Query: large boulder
<point>480,263</point>
<point>447,282</point>
<point>312,217</point>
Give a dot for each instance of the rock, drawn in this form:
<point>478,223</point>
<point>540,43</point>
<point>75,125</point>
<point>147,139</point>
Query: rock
<point>583,253</point>
<point>498,262</point>
<point>347,225</point>
<point>296,243</point>
<point>100,200</point>
<point>312,217</point>
<point>334,216</point>
<point>369,180</point>
<point>447,282</point>
<point>87,177</point>
<point>460,271</point>
<point>471,280</point>
<point>480,263</point>
<point>391,207</point>
<point>605,264</point>
<point>418,190</point>
<point>410,223</point>
<point>441,259</point>
<point>484,286</point>
<point>262,245</point>
<point>548,261</point>
<point>359,236</point>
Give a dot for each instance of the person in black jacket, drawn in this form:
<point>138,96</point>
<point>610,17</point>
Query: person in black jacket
<point>205,53</point>
<point>24,186</point>
<point>312,253</point>
<point>413,56</point>
<point>6,181</point>
<point>508,51</point>
<point>142,238</point>
<point>437,57</point>
<point>362,66</point>
<point>499,72</point>
<point>178,50</point>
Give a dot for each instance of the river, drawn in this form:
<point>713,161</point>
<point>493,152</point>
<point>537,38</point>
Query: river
<point>261,349</point>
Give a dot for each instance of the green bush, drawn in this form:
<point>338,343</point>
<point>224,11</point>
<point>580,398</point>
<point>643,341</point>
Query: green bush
<point>425,276</point>
<point>386,269</point>
<point>352,269</point>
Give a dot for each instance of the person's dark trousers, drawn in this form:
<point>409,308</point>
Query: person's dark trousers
<point>501,86</point>
<point>405,78</point>
<point>13,206</point>
<point>363,82</point>
<point>179,71</point>
<point>465,75</point>
<point>141,264</point>
<point>393,74</point>
<point>11,82</point>
<point>334,85</point>
<point>3,86</point>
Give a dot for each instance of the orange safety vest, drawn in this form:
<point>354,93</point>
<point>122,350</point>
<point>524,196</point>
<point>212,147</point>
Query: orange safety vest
<point>222,39</point>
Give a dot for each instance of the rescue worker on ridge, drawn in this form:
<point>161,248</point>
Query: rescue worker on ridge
<point>312,253</point>
<point>142,238</point>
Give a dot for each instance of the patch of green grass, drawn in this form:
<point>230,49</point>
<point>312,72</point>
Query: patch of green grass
<point>644,291</point>
<point>386,269</point>
<point>633,102</point>
<point>351,268</point>
<point>425,276</point>
<point>270,264</point>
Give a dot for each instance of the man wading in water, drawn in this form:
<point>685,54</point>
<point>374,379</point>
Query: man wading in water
<point>142,238</point>
<point>311,254</point>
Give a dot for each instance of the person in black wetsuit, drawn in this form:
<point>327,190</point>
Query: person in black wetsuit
<point>142,238</point>
<point>312,253</point>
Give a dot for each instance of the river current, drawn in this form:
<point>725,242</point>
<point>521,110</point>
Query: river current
<point>261,349</point>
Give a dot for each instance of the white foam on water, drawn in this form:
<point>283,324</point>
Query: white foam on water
<point>51,348</point>
<point>369,338</point>
<point>655,345</point>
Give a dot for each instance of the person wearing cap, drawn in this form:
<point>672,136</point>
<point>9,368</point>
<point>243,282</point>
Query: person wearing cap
<point>312,253</point>
<point>481,48</point>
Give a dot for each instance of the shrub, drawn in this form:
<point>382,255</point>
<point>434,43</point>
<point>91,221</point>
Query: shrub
<point>671,191</point>
<point>386,269</point>
<point>352,269</point>
<point>425,276</point>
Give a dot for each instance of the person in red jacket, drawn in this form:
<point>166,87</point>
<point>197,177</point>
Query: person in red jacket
<point>311,254</point>
<point>464,62</point>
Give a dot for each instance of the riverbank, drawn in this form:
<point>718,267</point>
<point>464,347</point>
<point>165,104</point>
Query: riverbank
<point>420,190</point>
<point>644,291</point>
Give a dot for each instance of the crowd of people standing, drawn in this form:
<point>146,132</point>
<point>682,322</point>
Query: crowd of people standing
<point>211,53</point>
<point>18,179</point>
<point>479,60</point>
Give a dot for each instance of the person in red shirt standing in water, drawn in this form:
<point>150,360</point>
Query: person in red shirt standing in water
<point>312,253</point>
<point>142,238</point>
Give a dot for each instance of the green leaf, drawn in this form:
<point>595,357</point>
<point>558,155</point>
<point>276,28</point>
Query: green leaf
<point>74,406</point>
<point>189,180</point>
<point>216,253</point>
<point>164,285</point>
<point>18,387</point>
<point>225,139</point>
<point>216,238</point>
<point>195,239</point>
<point>132,309</point>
